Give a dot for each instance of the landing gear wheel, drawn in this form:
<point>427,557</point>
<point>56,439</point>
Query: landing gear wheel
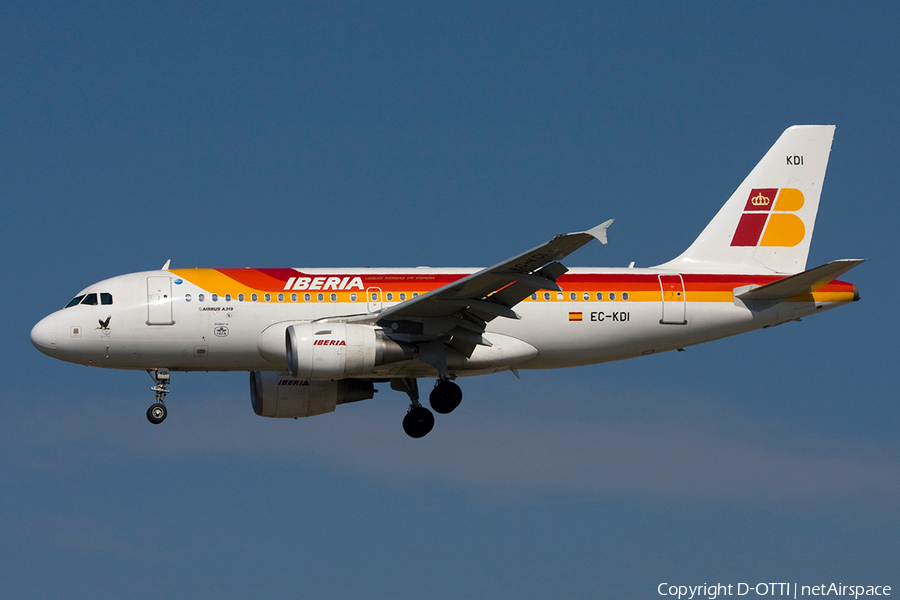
<point>418,422</point>
<point>156,414</point>
<point>445,397</point>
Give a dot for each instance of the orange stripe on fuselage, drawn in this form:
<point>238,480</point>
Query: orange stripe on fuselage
<point>640,287</point>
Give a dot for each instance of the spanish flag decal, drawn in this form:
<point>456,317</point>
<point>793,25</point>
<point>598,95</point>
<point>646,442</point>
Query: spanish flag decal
<point>575,316</point>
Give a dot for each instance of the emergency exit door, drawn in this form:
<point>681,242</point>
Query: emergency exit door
<point>159,301</point>
<point>374,299</point>
<point>673,306</point>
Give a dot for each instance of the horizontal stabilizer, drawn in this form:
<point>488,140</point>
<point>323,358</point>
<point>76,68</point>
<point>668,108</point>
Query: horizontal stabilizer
<point>801,283</point>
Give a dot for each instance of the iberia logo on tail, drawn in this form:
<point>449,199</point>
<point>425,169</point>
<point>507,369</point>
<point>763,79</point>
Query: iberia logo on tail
<point>768,219</point>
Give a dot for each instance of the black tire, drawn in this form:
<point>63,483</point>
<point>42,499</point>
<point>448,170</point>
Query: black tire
<point>156,414</point>
<point>418,422</point>
<point>445,397</point>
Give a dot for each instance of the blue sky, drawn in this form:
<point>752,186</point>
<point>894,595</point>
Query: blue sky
<point>402,134</point>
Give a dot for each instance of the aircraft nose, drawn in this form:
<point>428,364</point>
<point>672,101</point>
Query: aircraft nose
<point>43,336</point>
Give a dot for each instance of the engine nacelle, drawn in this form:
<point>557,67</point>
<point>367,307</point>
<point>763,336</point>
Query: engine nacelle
<point>273,394</point>
<point>338,350</point>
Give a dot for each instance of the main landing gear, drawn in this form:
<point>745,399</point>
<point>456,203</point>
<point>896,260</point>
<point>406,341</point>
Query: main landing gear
<point>445,396</point>
<point>156,414</point>
<point>443,399</point>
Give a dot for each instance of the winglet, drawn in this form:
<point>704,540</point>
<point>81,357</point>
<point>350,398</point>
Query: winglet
<point>166,266</point>
<point>599,231</point>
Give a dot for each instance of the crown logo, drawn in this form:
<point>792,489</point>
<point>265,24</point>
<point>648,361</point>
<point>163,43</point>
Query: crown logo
<point>760,200</point>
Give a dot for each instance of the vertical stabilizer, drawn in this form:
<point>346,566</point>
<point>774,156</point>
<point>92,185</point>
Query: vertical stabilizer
<point>767,224</point>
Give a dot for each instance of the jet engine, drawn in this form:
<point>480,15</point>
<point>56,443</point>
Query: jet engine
<point>274,394</point>
<point>338,350</point>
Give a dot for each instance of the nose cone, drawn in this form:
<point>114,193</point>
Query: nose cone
<point>43,336</point>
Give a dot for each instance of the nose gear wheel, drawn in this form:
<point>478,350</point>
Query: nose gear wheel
<point>157,412</point>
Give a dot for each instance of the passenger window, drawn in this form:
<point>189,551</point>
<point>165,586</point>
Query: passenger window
<point>240,297</point>
<point>320,297</point>
<point>402,296</point>
<point>559,295</point>
<point>90,300</point>
<point>534,296</point>
<point>254,297</point>
<point>334,297</point>
<point>201,297</point>
<point>306,297</point>
<point>415,294</point>
<point>105,298</point>
<point>75,301</point>
<point>599,295</point>
<point>353,297</point>
<point>214,297</point>
<point>293,297</point>
<point>268,297</point>
<point>227,297</point>
<point>281,297</point>
<point>624,295</point>
<point>187,297</point>
<point>389,296</point>
<point>586,296</point>
<point>573,296</point>
<point>612,295</point>
<point>374,296</point>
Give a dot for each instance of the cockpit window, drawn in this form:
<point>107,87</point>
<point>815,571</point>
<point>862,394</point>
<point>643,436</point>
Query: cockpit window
<point>75,301</point>
<point>91,299</point>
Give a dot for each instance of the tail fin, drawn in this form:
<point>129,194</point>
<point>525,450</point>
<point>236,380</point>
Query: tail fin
<point>767,224</point>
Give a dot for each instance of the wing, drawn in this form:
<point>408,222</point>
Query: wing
<point>458,312</point>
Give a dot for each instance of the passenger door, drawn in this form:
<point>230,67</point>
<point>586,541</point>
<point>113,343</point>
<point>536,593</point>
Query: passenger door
<point>159,301</point>
<point>673,305</point>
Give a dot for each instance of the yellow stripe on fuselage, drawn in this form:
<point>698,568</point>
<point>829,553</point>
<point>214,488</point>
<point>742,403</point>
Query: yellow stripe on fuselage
<point>214,282</point>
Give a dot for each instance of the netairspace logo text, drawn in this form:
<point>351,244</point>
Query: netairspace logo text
<point>793,590</point>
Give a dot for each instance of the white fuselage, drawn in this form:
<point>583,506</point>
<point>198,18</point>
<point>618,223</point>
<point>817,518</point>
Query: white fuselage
<point>198,323</point>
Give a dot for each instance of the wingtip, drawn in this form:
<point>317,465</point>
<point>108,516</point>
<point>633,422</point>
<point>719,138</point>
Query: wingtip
<point>599,231</point>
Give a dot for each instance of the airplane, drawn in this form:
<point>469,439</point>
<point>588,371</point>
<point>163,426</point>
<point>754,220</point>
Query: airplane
<point>316,338</point>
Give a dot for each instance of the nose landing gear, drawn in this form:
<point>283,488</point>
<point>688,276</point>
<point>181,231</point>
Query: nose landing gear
<point>156,414</point>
